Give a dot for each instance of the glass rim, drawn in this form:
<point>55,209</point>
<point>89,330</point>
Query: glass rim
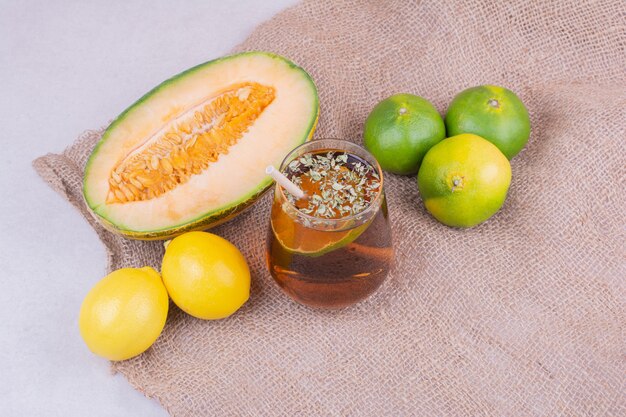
<point>374,204</point>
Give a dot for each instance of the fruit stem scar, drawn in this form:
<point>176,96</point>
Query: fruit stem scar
<point>494,103</point>
<point>402,110</point>
<point>455,182</point>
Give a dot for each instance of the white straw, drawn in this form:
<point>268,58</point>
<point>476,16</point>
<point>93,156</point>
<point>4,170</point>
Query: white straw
<point>284,182</point>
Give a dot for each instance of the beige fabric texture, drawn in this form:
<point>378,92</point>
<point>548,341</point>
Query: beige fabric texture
<point>523,315</point>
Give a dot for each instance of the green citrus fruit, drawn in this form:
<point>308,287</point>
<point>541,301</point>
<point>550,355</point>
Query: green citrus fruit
<point>124,313</point>
<point>301,240</point>
<point>400,130</point>
<point>206,275</point>
<point>463,180</point>
<point>492,112</point>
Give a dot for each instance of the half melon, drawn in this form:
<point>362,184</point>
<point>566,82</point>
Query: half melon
<point>192,152</point>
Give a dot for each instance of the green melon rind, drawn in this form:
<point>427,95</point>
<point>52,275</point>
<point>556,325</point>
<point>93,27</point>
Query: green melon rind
<point>205,220</point>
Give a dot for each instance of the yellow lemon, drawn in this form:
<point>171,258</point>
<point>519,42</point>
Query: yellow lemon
<point>205,275</point>
<point>124,313</point>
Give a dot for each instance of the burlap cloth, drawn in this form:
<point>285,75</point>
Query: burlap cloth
<point>523,315</point>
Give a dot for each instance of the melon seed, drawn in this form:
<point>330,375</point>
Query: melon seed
<point>154,162</point>
<point>174,137</point>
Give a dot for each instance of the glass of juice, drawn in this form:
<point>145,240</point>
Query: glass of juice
<point>332,248</point>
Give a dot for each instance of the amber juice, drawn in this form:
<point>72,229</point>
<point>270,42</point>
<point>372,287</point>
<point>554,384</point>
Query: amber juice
<point>334,248</point>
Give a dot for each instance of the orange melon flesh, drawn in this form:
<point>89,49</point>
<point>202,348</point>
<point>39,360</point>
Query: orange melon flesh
<point>192,152</point>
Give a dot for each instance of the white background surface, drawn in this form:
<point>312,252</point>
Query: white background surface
<point>65,67</point>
